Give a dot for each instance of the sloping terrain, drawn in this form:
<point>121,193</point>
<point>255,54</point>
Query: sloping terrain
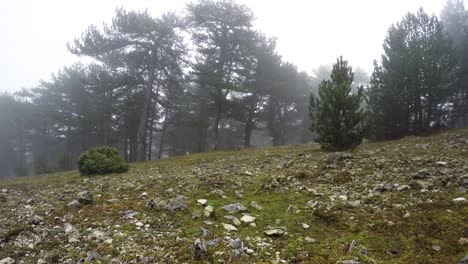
<point>392,202</point>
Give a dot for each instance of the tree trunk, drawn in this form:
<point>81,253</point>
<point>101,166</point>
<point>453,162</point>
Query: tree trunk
<point>216,125</point>
<point>249,126</point>
<point>141,134</point>
<point>163,135</point>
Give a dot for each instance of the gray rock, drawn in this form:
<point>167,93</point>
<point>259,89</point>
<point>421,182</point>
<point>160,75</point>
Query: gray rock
<point>128,214</point>
<point>199,249</point>
<point>309,240</point>
<point>85,197</point>
<point>275,231</point>
<point>402,188</point>
<point>350,261</point>
<point>37,219</point>
<point>436,248</point>
<point>236,244</point>
<point>68,228</point>
<point>91,255</point>
<point>74,204</point>
<point>421,175</point>
<point>234,208</point>
<point>460,200</point>
<point>205,232</point>
<point>176,203</point>
<point>7,261</point>
<point>464,260</point>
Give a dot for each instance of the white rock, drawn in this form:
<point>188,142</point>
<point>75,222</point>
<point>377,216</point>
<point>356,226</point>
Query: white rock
<point>305,226</point>
<point>139,224</point>
<point>7,260</point>
<point>343,197</point>
<point>247,219</point>
<point>202,201</point>
<point>309,240</point>
<point>230,227</point>
<point>68,228</point>
<point>250,251</point>
<point>460,200</point>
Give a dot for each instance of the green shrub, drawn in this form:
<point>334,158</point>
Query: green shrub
<point>101,160</point>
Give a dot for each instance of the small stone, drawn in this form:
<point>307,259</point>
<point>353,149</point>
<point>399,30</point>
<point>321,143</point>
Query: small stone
<point>74,204</point>
<point>402,188</point>
<point>37,220</point>
<point>343,197</point>
<point>73,240</point>
<point>202,202</point>
<point>441,163</point>
<point>7,260</point>
<point>354,203</point>
<point>30,201</point>
<point>275,231</point>
<point>236,244</point>
<point>236,221</point>
<point>305,226</point>
<point>109,241</point>
<point>139,224</point>
<point>407,215</point>
<point>68,228</point>
<point>85,197</point>
<point>4,190</point>
<point>463,241</point>
<point>254,205</point>
<point>436,248</point>
<point>250,251</point>
<point>460,200</point>
<point>349,261</point>
<point>233,208</point>
<point>176,203</point>
<point>208,211</point>
<point>247,219</point>
<point>309,240</point>
<point>144,195</point>
<point>230,227</point>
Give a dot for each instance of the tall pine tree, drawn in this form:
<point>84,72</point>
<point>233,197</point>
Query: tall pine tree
<point>337,115</point>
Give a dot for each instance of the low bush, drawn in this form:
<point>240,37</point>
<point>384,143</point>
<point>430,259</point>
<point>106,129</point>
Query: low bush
<point>101,160</point>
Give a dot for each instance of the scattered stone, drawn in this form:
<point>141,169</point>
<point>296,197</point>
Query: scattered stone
<point>68,228</point>
<point>7,260</point>
<point>247,219</point>
<point>436,248</point>
<point>402,188</point>
<point>85,197</point>
<point>144,195</point>
<point>460,200</point>
<point>230,227</point>
<point>128,214</point>
<point>343,197</point>
<point>74,204</point>
<point>139,224</point>
<point>199,249</point>
<point>4,191</point>
<point>250,251</point>
<point>91,255</point>
<point>464,260</point>
<point>349,261</point>
<point>113,200</point>
<point>254,205</point>
<point>275,231</point>
<point>234,208</point>
<point>37,220</point>
<point>236,244</point>
<point>309,240</point>
<point>176,203</point>
<point>150,204</point>
<point>202,202</point>
<point>354,203</point>
<point>205,232</point>
<point>209,211</point>
<point>421,174</point>
<point>441,163</point>
<point>363,251</point>
<point>30,201</point>
<point>305,226</point>
<point>463,241</point>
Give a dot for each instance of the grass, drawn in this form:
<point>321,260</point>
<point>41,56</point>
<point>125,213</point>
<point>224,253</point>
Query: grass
<point>395,227</point>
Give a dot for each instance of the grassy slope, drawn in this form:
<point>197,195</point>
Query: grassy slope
<point>394,226</point>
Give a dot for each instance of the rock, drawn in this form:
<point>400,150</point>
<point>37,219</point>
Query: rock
<point>305,226</point>
<point>247,219</point>
<point>441,163</point>
<point>128,214</point>
<point>176,203</point>
<point>85,197</point>
<point>199,249</point>
<point>354,203</point>
<point>255,206</point>
<point>202,202</point>
<point>236,244</point>
<point>418,184</point>
<point>464,260</point>
<point>208,211</point>
<point>68,228</point>
<point>350,261</point>
<point>363,251</point>
<point>236,221</point>
<point>250,251</point>
<point>461,200</point>
<point>463,241</point>
<point>150,204</point>
<point>7,260</point>
<point>234,208</point>
<point>230,227</point>
<point>30,201</point>
<point>421,175</point>
<point>4,190</point>
<point>74,204</point>
<point>91,255</point>
<point>402,188</point>
<point>139,224</point>
<point>275,231</point>
<point>37,220</point>
<point>436,248</point>
<point>309,240</point>
<point>343,197</point>
<point>144,195</point>
<point>205,232</point>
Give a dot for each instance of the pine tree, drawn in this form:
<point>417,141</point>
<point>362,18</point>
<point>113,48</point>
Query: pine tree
<point>337,115</point>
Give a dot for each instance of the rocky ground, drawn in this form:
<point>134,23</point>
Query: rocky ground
<point>393,202</point>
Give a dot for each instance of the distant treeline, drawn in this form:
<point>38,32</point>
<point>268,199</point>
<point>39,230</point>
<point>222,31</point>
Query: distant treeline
<point>171,85</point>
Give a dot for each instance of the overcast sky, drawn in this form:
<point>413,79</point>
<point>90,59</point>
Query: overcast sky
<point>309,32</point>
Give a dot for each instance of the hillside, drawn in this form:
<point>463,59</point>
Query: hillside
<point>399,201</point>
